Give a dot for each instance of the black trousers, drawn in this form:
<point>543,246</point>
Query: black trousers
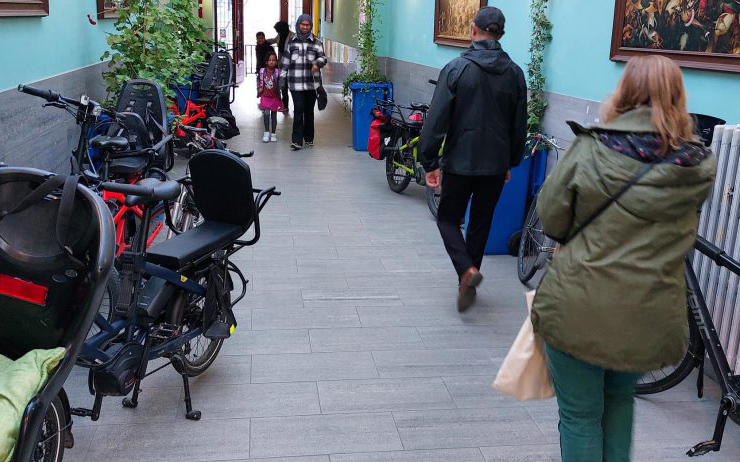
<point>303,105</point>
<point>483,193</point>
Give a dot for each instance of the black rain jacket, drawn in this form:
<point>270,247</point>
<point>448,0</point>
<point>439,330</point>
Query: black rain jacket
<point>480,105</point>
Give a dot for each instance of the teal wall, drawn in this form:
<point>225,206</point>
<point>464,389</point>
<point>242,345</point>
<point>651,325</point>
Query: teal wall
<point>344,27</point>
<point>577,62</point>
<point>407,29</point>
<point>33,49</point>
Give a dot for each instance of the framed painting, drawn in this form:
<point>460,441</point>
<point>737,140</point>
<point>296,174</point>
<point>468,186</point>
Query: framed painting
<point>452,21</point>
<point>106,9</point>
<point>702,34</point>
<point>329,10</point>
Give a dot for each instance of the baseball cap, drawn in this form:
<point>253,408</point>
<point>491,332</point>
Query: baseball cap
<point>489,16</point>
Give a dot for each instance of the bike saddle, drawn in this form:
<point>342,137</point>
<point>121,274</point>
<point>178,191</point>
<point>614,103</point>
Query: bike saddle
<point>161,190</point>
<point>115,143</point>
<point>218,122</point>
<point>420,107</point>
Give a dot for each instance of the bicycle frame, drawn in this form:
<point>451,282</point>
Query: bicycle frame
<point>119,220</point>
<point>711,346</point>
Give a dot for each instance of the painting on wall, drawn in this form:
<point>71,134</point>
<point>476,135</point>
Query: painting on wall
<point>329,10</point>
<point>452,20</point>
<point>106,9</point>
<point>702,34</point>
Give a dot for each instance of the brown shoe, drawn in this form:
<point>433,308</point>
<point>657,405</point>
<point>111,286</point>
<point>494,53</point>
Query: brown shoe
<point>466,295</point>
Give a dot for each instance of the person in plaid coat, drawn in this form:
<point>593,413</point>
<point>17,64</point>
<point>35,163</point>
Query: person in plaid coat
<point>302,60</point>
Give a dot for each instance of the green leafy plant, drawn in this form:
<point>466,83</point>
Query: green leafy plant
<point>367,38</point>
<point>155,40</point>
<point>537,104</point>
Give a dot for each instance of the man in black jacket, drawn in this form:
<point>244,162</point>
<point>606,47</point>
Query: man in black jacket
<point>479,110</point>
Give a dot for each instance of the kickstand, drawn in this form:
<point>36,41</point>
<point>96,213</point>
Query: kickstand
<point>190,414</point>
<point>715,443</point>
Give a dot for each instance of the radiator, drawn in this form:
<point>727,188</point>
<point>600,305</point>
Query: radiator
<point>720,224</point>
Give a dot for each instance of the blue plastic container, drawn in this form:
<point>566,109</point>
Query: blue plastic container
<point>509,214</point>
<point>187,90</point>
<point>539,168</point>
<point>364,96</point>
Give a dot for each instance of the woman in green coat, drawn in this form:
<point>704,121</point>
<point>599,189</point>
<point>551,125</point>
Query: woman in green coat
<point>612,305</point>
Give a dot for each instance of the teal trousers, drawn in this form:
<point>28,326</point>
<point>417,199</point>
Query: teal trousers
<point>595,407</point>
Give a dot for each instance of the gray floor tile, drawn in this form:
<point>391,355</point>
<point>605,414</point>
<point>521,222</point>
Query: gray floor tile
<point>434,455</point>
<point>524,453</point>
<point>254,400</point>
<point>466,428</point>
<point>253,342</point>
<point>312,367</point>
<point>434,363</point>
<point>305,318</point>
<point>276,280</point>
<point>476,391</point>
<point>348,396</point>
<point>425,316</point>
<point>83,439</point>
<point>365,339</point>
<point>325,434</point>
<point>295,459</point>
<point>180,441</point>
<point>495,336</point>
<point>272,300</point>
<point>156,405</point>
<point>351,297</point>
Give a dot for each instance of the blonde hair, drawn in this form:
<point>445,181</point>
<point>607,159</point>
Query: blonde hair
<point>654,81</point>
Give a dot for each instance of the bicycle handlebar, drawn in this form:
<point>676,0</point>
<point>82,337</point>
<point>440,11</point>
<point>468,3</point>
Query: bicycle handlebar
<point>128,189</point>
<point>718,255</point>
<point>54,97</point>
<point>48,95</point>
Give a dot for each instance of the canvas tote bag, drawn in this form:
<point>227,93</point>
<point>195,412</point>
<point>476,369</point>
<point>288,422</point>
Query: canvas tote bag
<point>524,374</point>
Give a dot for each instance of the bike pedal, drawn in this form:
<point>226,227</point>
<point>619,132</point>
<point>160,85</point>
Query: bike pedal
<point>163,331</point>
<point>81,412</point>
<point>218,331</point>
<point>703,448</point>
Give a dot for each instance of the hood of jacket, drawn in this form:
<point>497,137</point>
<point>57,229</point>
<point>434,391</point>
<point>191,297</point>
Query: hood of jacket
<point>489,56</point>
<point>670,189</point>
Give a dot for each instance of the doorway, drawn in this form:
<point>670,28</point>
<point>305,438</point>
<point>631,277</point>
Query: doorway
<point>229,16</point>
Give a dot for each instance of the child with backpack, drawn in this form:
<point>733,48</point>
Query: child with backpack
<point>268,91</point>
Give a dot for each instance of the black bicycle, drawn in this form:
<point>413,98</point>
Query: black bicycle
<point>703,342</point>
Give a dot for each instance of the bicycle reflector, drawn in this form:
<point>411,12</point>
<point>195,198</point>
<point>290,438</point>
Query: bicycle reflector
<point>415,118</point>
<point>23,290</point>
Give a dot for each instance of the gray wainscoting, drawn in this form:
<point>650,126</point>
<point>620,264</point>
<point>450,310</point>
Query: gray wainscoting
<point>33,136</point>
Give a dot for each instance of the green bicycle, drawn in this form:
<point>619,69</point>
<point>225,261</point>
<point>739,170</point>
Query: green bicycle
<point>400,148</point>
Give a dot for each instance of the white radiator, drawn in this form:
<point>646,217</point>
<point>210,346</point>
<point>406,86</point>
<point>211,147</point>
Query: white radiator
<point>720,224</point>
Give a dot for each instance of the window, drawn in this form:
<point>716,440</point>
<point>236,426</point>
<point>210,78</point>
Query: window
<point>24,7</point>
<point>106,9</point>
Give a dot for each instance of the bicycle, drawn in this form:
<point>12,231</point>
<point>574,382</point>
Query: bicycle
<point>400,149</point>
<point>535,248</point>
<point>703,342</point>
<point>176,296</point>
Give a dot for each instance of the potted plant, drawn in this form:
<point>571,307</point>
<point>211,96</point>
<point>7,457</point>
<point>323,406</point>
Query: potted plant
<point>368,83</point>
<point>154,40</point>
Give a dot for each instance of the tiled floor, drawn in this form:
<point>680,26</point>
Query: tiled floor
<point>349,347</point>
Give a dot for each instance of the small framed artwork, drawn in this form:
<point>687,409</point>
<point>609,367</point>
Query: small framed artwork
<point>329,10</point>
<point>702,34</point>
<point>452,20</point>
<point>106,9</point>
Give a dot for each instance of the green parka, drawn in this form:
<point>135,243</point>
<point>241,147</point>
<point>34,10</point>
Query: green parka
<point>615,295</point>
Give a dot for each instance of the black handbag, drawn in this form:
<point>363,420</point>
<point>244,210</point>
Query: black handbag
<point>322,99</point>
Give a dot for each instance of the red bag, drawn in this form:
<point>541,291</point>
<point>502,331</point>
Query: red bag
<point>373,141</point>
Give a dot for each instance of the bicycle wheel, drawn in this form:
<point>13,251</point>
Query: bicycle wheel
<point>398,178</point>
<point>433,195</point>
<point>200,352</point>
<point>110,298</point>
<point>50,442</point>
<point>534,246</point>
<point>185,214</point>
<point>668,377</point>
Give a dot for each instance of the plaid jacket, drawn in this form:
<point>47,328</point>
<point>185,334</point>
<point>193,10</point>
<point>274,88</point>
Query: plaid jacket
<point>298,58</point>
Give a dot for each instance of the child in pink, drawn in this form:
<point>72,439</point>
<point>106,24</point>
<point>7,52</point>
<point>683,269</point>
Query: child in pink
<point>270,102</point>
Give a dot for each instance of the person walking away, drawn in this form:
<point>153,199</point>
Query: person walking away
<point>612,304</point>
<point>480,106</point>
<point>270,102</point>
<point>283,30</point>
<point>303,57</point>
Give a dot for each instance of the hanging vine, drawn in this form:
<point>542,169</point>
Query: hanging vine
<point>541,36</point>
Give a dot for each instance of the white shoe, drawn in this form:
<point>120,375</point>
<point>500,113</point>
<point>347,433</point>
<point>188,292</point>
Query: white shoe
<point>266,137</point>
<point>273,137</point>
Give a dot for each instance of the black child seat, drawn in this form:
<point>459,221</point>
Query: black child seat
<point>56,252</point>
<point>216,81</point>
<point>144,124</point>
<point>222,190</point>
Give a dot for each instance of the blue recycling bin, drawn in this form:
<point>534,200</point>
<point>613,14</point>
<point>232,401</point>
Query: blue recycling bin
<point>364,96</point>
<point>186,90</point>
<point>510,210</point>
